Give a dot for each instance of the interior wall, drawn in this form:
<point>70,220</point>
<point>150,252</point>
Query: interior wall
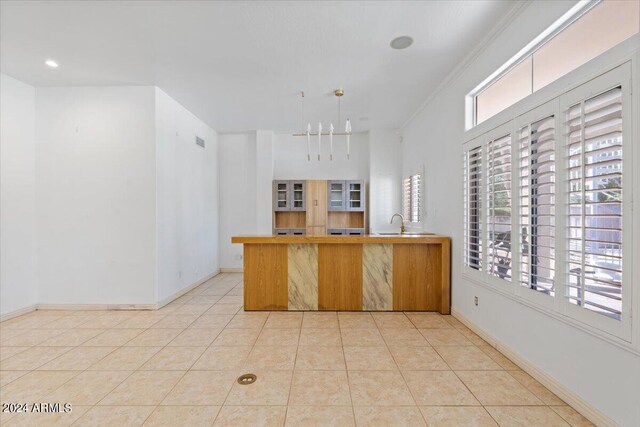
<point>238,193</point>
<point>96,179</point>
<point>603,374</point>
<point>290,158</point>
<point>187,197</point>
<point>264,177</point>
<point>18,240</point>
<point>385,179</point>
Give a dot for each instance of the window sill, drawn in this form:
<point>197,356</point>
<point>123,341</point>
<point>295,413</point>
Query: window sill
<point>612,339</point>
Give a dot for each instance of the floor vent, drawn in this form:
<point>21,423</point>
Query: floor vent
<point>247,379</point>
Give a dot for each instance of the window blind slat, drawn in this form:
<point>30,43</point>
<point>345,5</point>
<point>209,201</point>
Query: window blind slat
<point>594,230</point>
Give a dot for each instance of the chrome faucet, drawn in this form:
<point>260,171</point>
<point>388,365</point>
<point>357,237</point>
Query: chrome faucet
<point>402,230</point>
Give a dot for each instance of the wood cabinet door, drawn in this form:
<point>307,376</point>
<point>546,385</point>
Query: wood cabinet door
<point>316,231</point>
<point>340,277</point>
<point>417,277</point>
<point>316,203</point>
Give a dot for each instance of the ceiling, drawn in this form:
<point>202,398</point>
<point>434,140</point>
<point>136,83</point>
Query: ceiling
<point>241,65</point>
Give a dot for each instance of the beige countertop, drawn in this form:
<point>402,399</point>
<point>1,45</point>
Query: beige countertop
<point>367,238</point>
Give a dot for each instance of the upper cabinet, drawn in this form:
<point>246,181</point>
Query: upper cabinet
<point>281,196</point>
<point>289,196</point>
<point>346,196</point>
<point>298,195</point>
<point>336,195</point>
<point>354,196</point>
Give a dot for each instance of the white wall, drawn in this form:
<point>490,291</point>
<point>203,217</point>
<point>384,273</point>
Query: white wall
<point>187,197</point>
<point>96,192</point>
<point>603,374</point>
<point>290,158</point>
<point>18,240</point>
<point>264,177</point>
<point>238,194</point>
<point>385,179</point>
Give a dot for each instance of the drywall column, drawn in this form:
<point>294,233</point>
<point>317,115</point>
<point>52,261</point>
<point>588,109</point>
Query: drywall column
<point>18,247</point>
<point>264,176</point>
<point>385,178</point>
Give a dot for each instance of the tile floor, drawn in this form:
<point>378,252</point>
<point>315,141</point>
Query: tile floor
<point>178,366</point>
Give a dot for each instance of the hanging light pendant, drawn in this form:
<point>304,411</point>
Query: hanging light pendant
<point>309,142</point>
<point>319,139</point>
<point>331,141</point>
<point>338,93</point>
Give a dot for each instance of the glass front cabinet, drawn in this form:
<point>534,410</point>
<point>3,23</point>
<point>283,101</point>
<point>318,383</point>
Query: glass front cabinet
<point>336,195</point>
<point>354,196</point>
<point>281,196</point>
<point>298,195</point>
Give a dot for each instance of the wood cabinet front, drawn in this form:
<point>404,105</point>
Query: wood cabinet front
<point>417,277</point>
<point>316,204</point>
<point>266,277</point>
<point>339,277</point>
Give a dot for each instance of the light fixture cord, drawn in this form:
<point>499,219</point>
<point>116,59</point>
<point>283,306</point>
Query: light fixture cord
<point>302,95</point>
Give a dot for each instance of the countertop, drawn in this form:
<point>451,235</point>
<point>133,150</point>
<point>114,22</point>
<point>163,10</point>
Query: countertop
<point>367,238</point>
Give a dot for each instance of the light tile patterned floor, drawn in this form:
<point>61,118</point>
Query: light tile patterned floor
<point>178,366</point>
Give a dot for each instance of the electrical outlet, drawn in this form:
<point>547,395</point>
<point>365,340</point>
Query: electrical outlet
<point>238,257</point>
<point>180,274</point>
<point>475,301</point>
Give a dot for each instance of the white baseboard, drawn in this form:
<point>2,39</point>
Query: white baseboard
<point>18,312</point>
<point>575,401</point>
<point>231,270</point>
<point>160,304</point>
<point>180,293</point>
<point>96,306</point>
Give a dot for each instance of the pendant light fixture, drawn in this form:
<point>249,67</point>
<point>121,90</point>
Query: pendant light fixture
<point>347,130</point>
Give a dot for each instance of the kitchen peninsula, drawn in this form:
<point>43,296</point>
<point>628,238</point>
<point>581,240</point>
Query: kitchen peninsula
<point>351,273</point>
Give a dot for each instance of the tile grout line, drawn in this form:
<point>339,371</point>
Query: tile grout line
<point>138,370</point>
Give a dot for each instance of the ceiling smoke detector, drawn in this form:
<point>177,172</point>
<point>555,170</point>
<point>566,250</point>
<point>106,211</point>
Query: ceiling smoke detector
<point>401,42</point>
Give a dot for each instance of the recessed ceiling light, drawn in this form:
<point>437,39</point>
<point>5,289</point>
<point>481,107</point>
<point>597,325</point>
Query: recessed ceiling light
<point>401,42</point>
<point>51,63</point>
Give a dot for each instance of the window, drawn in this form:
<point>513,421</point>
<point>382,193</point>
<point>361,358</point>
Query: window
<point>583,33</point>
<point>411,194</point>
<point>595,203</point>
<point>472,206</point>
<point>537,205</point>
<point>499,207</point>
<point>561,236</point>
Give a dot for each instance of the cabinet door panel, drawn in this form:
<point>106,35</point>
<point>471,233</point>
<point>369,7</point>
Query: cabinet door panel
<point>355,196</point>
<point>281,196</point>
<point>417,277</point>
<point>336,195</point>
<point>339,277</point>
<point>266,277</point>
<point>298,195</point>
<point>316,204</point>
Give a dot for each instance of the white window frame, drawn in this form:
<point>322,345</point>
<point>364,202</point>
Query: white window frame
<point>627,335</point>
<point>421,212</point>
<point>619,76</point>
<point>536,297</point>
<point>572,15</point>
